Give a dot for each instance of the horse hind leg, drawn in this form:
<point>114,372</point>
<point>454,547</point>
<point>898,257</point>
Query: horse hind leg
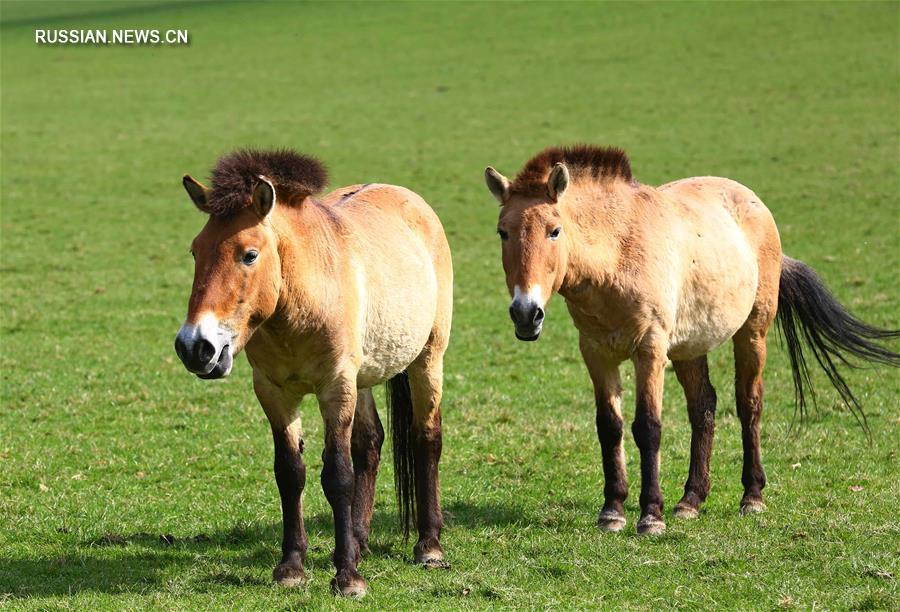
<point>750,359</point>
<point>365,449</point>
<point>426,389</point>
<point>693,375</point>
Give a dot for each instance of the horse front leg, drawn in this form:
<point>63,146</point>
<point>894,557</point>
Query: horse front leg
<point>604,374</point>
<point>337,403</point>
<point>290,475</point>
<point>649,368</point>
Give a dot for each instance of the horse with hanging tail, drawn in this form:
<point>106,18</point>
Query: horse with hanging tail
<point>327,297</point>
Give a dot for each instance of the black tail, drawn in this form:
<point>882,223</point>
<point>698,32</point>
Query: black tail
<point>399,403</point>
<point>807,311</point>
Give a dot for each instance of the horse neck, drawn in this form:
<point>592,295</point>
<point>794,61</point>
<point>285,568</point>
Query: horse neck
<point>311,259</point>
<point>598,216</point>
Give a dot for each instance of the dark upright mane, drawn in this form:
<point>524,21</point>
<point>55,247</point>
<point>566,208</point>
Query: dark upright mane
<point>581,160</point>
<point>295,176</point>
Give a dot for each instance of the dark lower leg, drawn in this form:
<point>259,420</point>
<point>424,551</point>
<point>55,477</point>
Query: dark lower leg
<point>290,474</point>
<point>750,355</point>
<point>610,433</point>
<point>425,380</point>
<point>429,519</point>
<point>753,476</point>
<point>338,483</point>
<point>647,430</point>
<point>368,436</point>
<point>610,427</point>
<point>703,427</point>
<point>701,403</point>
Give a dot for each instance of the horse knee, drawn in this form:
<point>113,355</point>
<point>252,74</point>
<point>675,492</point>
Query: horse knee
<point>289,468</point>
<point>290,472</point>
<point>337,477</point>
<point>647,431</point>
<point>610,426</point>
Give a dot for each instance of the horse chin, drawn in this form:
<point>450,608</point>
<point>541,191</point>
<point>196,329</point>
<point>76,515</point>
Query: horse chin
<point>222,367</point>
<point>529,338</point>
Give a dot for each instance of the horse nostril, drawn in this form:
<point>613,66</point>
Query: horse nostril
<point>526,314</point>
<point>204,351</point>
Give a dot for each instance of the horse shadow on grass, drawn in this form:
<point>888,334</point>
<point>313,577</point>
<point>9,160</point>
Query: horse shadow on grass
<point>243,555</point>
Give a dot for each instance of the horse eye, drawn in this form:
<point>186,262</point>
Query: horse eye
<point>503,234</point>
<point>192,253</point>
<point>555,233</point>
<point>250,257</point>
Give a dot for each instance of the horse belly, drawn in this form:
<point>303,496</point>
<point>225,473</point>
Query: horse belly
<point>398,322</point>
<point>717,295</point>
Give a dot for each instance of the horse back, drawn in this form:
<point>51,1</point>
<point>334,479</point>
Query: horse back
<point>708,195</point>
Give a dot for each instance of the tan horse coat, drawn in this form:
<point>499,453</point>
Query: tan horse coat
<point>658,274</point>
<point>368,304</point>
<point>676,269</point>
<point>329,297</point>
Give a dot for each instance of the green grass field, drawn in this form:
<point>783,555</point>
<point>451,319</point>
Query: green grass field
<point>107,443</point>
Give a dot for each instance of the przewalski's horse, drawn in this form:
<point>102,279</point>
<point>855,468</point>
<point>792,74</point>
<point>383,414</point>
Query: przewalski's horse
<point>658,274</point>
<point>328,297</point>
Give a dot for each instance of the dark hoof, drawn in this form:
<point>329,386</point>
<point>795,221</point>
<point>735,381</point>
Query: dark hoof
<point>610,520</point>
<point>288,575</point>
<point>650,525</point>
<point>349,583</point>
<point>432,559</point>
<point>434,563</point>
<point>752,506</point>
<point>685,511</point>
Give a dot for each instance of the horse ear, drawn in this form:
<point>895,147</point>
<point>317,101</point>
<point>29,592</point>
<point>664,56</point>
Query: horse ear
<point>198,191</point>
<point>558,181</point>
<point>497,183</point>
<point>263,197</point>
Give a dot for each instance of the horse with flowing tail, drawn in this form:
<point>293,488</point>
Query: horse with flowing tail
<point>663,274</point>
<point>329,297</point>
